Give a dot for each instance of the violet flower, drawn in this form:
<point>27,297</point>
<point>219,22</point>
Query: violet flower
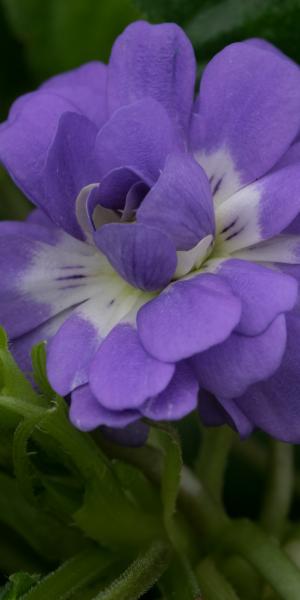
<point>164,254</point>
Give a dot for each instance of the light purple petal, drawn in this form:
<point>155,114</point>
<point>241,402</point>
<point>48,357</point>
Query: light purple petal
<point>139,136</point>
<point>261,210</point>
<point>86,412</point>
<point>274,405</point>
<point>21,347</point>
<point>215,412</point>
<point>264,293</point>
<point>228,369</point>
<point>189,317</point>
<point>180,203</point>
<point>142,255</point>
<point>114,187</point>
<point>155,61</point>
<point>177,400</point>
<point>42,274</point>
<point>85,87</point>
<point>70,166</point>
<point>26,138</point>
<point>70,352</point>
<point>248,114</point>
<point>123,375</point>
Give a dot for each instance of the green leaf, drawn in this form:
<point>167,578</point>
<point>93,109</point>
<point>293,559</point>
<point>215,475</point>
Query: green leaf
<point>18,584</point>
<point>137,486</point>
<point>12,381</point>
<point>60,34</point>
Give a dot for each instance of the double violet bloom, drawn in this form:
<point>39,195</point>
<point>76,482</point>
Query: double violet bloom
<point>161,263</point>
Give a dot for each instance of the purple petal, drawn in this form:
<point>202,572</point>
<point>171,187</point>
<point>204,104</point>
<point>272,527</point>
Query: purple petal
<point>70,166</point>
<point>114,187</point>
<point>177,400</point>
<point>154,61</point>
<point>180,203</point>
<point>228,369</point>
<point>21,347</point>
<point>123,375</point>
<point>248,114</point>
<point>86,413</point>
<point>261,210</point>
<point>273,405</point>
<point>42,273</point>
<point>214,412</point>
<point>139,136</point>
<point>85,87</point>
<point>70,352</point>
<point>142,255</point>
<point>36,121</point>
<point>264,293</point>
<point>189,317</point>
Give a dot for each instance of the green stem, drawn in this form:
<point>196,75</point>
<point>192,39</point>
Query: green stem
<point>212,583</point>
<point>244,578</point>
<point>280,486</point>
<point>211,464</point>
<point>73,575</point>
<point>140,576</point>
<point>243,537</point>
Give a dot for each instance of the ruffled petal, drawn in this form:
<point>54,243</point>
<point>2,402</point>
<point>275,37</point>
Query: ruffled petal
<point>70,166</point>
<point>228,369</point>
<point>274,405</point>
<point>189,317</point>
<point>139,136</point>
<point>34,119</point>
<point>178,399</point>
<point>123,375</point>
<point>264,293</point>
<point>180,203</point>
<point>142,255</point>
<point>259,211</point>
<point>154,61</point>
<point>85,87</point>
<point>86,412</point>
<point>248,115</point>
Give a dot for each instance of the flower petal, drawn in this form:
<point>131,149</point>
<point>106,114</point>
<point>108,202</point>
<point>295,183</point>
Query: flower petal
<point>228,369</point>
<point>259,211</point>
<point>248,115</point>
<point>264,293</point>
<point>71,350</point>
<point>180,203</point>
<point>86,413</point>
<point>43,272</point>
<point>273,405</point>
<point>189,317</point>
<point>215,412</point>
<point>85,87</point>
<point>139,136</point>
<point>36,120</point>
<point>142,255</point>
<point>123,375</point>
<point>178,399</point>
<point>70,166</point>
<point>154,61</point>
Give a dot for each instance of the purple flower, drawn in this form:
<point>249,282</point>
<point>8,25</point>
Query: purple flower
<point>164,253</point>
